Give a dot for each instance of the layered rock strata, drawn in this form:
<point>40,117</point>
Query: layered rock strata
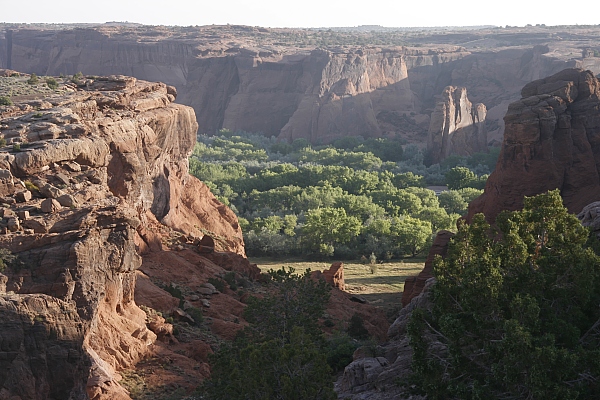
<point>236,82</point>
<point>87,180</point>
<point>457,126</point>
<point>551,141</point>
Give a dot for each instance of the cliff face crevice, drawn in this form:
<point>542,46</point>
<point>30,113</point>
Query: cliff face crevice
<point>551,142</point>
<point>96,173</point>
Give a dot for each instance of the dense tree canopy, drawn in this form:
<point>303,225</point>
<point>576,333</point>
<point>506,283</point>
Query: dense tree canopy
<point>374,182</point>
<point>515,312</point>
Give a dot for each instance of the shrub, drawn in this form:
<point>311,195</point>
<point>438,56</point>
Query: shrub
<point>2,142</point>
<point>31,187</point>
<point>33,79</point>
<point>280,355</point>
<point>516,307</point>
<point>17,147</point>
<point>52,84</point>
<point>6,258</point>
<point>196,314</point>
<point>217,283</point>
<point>174,291</point>
<point>5,101</point>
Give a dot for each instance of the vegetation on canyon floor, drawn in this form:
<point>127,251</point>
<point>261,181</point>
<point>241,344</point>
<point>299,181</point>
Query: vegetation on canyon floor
<point>353,198</point>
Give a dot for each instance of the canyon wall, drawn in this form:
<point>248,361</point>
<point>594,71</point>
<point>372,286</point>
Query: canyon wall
<point>91,178</point>
<point>317,94</point>
<point>551,141</point>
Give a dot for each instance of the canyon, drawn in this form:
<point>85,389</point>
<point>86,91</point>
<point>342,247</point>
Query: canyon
<point>104,232</point>
<point>275,82</point>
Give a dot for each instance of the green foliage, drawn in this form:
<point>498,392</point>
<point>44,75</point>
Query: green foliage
<point>31,186</point>
<point>5,101</point>
<point>219,284</point>
<point>340,351</point>
<point>52,83</point>
<point>357,329</point>
<point>33,79</point>
<point>16,146</point>
<point>281,354</point>
<point>196,315</point>
<point>298,302</point>
<point>6,258</point>
<point>274,187</point>
<point>328,226</point>
<point>463,177</point>
<point>516,307</point>
<point>174,291</point>
<point>76,79</point>
<point>2,142</point>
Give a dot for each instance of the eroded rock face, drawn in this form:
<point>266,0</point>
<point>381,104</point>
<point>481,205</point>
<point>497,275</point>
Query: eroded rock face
<point>551,142</point>
<point>105,168</point>
<point>457,126</point>
<point>237,82</point>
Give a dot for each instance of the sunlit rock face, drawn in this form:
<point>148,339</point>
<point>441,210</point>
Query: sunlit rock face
<point>552,141</point>
<point>457,126</point>
<point>232,81</point>
<point>87,179</point>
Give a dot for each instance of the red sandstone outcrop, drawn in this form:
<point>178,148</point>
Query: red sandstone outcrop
<point>550,142</point>
<point>457,126</point>
<point>111,159</point>
<point>335,275</point>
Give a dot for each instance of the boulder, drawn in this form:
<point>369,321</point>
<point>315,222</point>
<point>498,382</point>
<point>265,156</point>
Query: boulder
<point>50,206</point>
<point>23,197</point>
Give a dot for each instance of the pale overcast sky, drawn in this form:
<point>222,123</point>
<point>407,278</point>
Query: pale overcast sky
<point>305,13</point>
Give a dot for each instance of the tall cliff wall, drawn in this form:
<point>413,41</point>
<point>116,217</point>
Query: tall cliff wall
<point>457,126</point>
<point>551,142</point>
<point>288,92</point>
<point>86,177</point>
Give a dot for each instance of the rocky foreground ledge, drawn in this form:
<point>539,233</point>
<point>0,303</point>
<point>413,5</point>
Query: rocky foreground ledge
<point>89,180</point>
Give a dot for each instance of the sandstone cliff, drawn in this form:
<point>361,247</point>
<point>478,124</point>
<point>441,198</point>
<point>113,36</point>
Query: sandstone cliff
<point>550,142</point>
<point>88,181</point>
<point>457,126</point>
<point>233,81</point>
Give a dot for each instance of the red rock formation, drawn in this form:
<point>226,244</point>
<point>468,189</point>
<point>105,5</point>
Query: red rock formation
<point>335,275</point>
<point>456,127</point>
<point>112,159</point>
<point>551,141</point>
<point>413,286</point>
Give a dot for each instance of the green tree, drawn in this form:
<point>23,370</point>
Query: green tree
<point>326,227</point>
<point>411,234</point>
<point>281,354</point>
<point>516,308</point>
<point>459,177</point>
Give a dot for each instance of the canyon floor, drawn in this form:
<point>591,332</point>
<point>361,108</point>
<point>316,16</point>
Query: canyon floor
<point>381,288</point>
